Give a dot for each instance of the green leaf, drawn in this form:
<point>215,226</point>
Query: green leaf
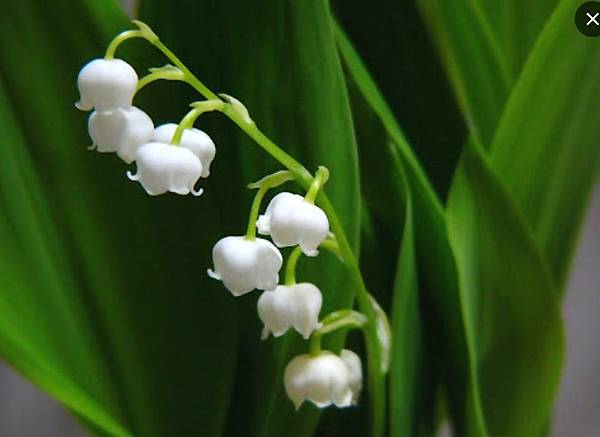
<point>508,301</point>
<point>478,335</point>
<point>484,44</point>
<point>550,143</point>
<point>263,54</point>
<point>546,146</point>
<point>516,25</point>
<point>105,285</point>
<point>413,379</point>
<point>474,58</point>
<point>398,51</point>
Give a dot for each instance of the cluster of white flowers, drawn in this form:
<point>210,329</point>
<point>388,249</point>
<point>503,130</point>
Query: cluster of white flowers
<point>172,158</point>
<point>244,264</point>
<point>107,86</point>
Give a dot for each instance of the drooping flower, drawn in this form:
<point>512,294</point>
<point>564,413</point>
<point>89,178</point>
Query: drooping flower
<point>296,306</point>
<point>122,131</point>
<point>106,85</point>
<point>194,139</point>
<point>163,167</point>
<point>322,379</point>
<point>291,220</point>
<point>244,265</point>
<point>353,364</point>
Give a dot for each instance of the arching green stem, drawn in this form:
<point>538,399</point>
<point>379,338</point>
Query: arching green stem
<point>119,39</point>
<point>334,321</point>
<point>270,181</point>
<point>321,178</point>
<point>164,73</point>
<point>290,267</point>
<point>188,120</point>
<point>254,211</point>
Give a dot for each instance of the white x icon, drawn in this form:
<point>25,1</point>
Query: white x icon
<point>592,18</point>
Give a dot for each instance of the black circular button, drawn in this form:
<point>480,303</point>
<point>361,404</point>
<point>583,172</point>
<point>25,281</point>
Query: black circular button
<point>587,19</point>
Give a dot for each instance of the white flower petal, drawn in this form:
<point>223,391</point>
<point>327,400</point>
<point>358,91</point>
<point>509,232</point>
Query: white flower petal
<point>355,376</point>
<point>290,220</point>
<point>308,302</point>
<point>106,85</point>
<point>244,265</point>
<point>105,129</point>
<point>194,139</point>
<point>122,131</point>
<point>276,311</point>
<point>321,379</point>
<point>137,131</point>
<point>162,168</point>
<point>288,306</point>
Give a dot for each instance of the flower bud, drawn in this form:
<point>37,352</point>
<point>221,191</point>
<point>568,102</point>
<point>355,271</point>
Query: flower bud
<point>291,220</point>
<point>162,167</point>
<point>194,139</point>
<point>106,85</point>
<point>296,306</point>
<point>122,131</point>
<point>353,364</point>
<point>244,265</point>
<point>321,379</point>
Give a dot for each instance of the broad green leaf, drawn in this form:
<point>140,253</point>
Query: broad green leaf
<point>388,263</point>
<point>396,47</point>
<point>434,258</point>
<point>546,146</point>
<point>105,285</point>
<point>37,295</point>
<point>265,54</point>
<point>517,25</point>
<point>407,360</point>
<point>551,143</point>
<point>474,58</point>
<point>484,45</point>
<point>508,301</point>
<point>479,402</point>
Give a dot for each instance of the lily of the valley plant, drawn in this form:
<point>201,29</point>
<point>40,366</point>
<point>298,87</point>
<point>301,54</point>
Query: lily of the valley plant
<point>174,157</point>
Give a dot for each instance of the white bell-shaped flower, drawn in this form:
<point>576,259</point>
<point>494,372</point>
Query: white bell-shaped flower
<point>163,167</point>
<point>321,379</point>
<point>194,139</point>
<point>355,376</point>
<point>106,85</point>
<point>244,265</point>
<point>291,220</point>
<point>122,131</point>
<point>288,306</point>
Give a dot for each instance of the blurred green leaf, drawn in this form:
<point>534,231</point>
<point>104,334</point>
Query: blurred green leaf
<point>546,145</point>
<point>413,380</point>
<point>38,295</point>
<point>396,47</point>
<point>482,221</point>
<point>479,43</point>
<point>517,26</point>
<point>508,300</point>
<point>134,277</point>
<point>474,58</point>
<point>484,44</point>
